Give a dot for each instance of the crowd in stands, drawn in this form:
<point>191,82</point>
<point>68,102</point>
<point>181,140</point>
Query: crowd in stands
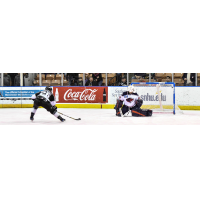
<point>120,79</point>
<point>99,79</point>
<point>12,79</point>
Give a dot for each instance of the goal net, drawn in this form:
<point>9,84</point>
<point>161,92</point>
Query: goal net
<point>158,96</point>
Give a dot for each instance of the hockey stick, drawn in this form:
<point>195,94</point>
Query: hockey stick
<point>69,116</point>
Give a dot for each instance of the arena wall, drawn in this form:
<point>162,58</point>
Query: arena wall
<point>88,97</point>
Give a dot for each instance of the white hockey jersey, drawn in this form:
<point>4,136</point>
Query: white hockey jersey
<point>129,100</point>
<point>46,96</point>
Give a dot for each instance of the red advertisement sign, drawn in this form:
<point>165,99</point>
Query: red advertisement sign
<point>81,94</point>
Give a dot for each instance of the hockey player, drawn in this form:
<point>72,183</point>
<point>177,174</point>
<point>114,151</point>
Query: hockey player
<point>132,102</point>
<point>45,99</point>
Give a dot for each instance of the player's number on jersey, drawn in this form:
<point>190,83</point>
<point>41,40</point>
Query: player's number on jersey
<point>45,94</point>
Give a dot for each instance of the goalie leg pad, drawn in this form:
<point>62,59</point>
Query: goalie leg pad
<point>141,112</point>
<point>118,104</point>
<point>139,103</point>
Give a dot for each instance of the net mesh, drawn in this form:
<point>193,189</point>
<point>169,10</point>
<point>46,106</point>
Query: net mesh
<point>158,97</point>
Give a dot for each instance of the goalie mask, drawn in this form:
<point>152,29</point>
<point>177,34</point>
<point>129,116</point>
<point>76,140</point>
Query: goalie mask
<point>131,89</point>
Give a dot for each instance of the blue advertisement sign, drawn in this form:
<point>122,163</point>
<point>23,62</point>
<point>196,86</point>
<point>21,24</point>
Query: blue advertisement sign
<point>18,93</point>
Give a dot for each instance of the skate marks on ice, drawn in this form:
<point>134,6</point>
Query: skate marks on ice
<point>21,116</point>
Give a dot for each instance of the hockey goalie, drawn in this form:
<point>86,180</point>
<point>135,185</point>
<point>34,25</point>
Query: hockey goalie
<point>130,101</point>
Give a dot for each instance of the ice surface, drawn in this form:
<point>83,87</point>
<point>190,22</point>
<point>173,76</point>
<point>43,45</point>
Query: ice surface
<point>21,116</point>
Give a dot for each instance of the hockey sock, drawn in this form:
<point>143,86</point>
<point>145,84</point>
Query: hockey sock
<point>56,114</point>
<point>34,110</point>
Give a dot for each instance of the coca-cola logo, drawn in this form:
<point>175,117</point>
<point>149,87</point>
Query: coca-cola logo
<point>87,94</point>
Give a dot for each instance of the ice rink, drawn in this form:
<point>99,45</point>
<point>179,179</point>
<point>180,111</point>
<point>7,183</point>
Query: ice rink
<point>21,116</point>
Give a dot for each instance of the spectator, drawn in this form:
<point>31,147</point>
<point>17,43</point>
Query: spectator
<point>90,82</point>
<point>97,78</point>
<point>6,80</point>
<point>87,77</point>
<point>12,76</point>
<point>65,75</point>
<point>123,82</point>
<point>17,79</point>
<point>153,75</point>
<point>189,79</point>
<point>118,77</point>
<point>72,78</point>
<point>168,79</point>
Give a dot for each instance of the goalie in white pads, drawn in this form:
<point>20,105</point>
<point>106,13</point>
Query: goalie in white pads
<point>132,102</point>
<point>45,99</point>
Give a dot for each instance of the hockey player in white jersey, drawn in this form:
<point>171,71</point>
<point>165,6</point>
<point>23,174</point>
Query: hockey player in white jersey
<point>45,99</point>
<point>130,100</point>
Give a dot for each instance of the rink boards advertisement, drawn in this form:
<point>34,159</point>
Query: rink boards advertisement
<point>98,97</point>
<point>17,96</point>
<point>81,94</point>
<point>150,95</point>
<point>21,96</point>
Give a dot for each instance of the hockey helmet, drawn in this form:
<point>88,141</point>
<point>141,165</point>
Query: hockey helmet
<point>131,89</point>
<point>48,88</point>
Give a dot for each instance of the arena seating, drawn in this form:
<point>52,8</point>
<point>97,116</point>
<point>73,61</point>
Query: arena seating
<point>51,79</point>
<point>36,82</point>
<point>159,76</point>
<point>166,80</point>
<point>178,75</point>
<point>59,77</point>
<point>55,80</point>
<point>109,77</point>
<point>179,81</point>
<point>55,83</point>
<point>198,79</point>
<point>37,77</point>
<point>104,79</point>
<point>65,83</point>
<point>168,74</point>
<point>46,82</point>
<point>80,79</point>
<point>135,80</point>
<point>162,77</point>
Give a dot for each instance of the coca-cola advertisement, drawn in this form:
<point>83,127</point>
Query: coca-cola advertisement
<point>81,94</point>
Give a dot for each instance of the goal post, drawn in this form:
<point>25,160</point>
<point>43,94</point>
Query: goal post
<point>157,96</point>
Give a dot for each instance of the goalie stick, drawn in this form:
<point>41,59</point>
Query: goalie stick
<point>69,116</point>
